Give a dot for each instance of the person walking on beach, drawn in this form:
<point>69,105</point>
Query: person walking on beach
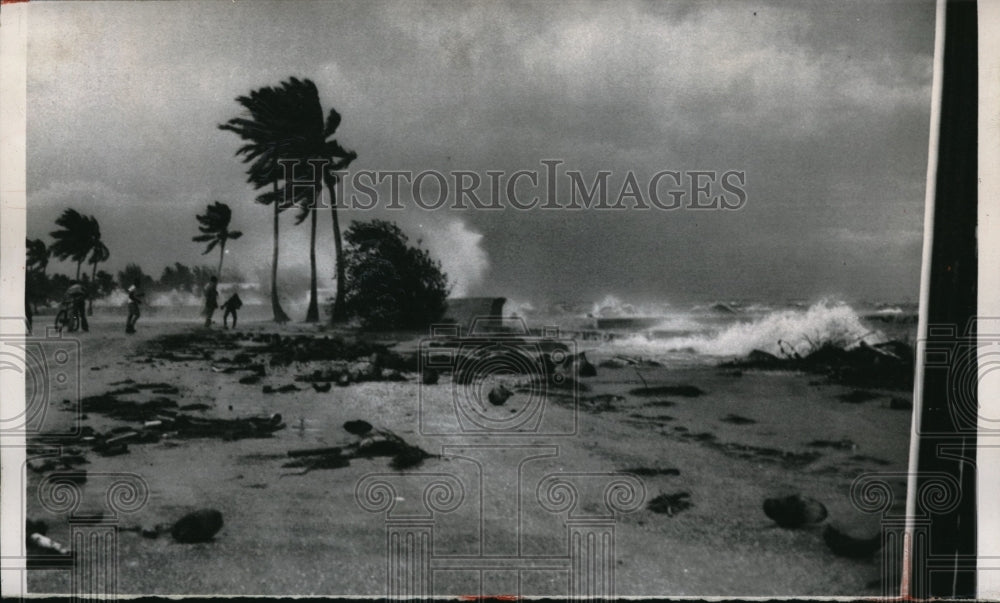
<point>211,300</point>
<point>134,299</point>
<point>232,304</point>
<point>78,300</point>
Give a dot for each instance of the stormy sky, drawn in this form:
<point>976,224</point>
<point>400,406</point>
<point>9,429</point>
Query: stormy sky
<point>823,105</point>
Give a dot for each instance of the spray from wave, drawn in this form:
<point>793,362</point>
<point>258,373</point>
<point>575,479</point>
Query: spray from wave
<point>826,322</point>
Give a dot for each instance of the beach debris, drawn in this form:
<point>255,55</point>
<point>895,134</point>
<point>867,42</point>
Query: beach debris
<point>794,511</point>
<point>499,395</point>
<point>199,526</point>
<point>196,406</point>
<point>284,389</point>
<point>864,458</point>
<point>687,391</point>
<point>429,376</point>
<point>376,443</point>
<point>651,471</point>
<point>326,450</point>
<point>737,420</point>
<point>857,396</point>
<point>901,404</point>
<point>322,388</point>
<point>35,526</point>
<point>670,504</point>
<point>583,366</point>
<point>842,444</point>
<point>358,427</point>
<point>854,543</point>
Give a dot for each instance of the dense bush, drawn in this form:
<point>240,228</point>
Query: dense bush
<point>389,284</point>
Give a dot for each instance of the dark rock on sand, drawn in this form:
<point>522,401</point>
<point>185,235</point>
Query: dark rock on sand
<point>499,395</point>
<point>737,420</point>
<point>429,376</point>
<point>250,380</point>
<point>794,511</point>
<point>322,387</point>
<point>853,543</point>
<point>358,427</point>
<point>670,504</point>
<point>199,526</point>
<point>583,366</point>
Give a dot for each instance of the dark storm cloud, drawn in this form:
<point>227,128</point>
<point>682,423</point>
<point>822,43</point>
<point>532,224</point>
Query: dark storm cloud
<point>824,105</point>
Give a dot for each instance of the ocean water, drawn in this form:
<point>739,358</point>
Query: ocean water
<point>712,331</point>
<point>678,334</point>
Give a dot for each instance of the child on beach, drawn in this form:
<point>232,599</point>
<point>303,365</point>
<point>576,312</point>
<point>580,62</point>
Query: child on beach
<point>134,299</point>
<point>211,300</point>
<point>232,304</point>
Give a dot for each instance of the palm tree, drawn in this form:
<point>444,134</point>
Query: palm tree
<point>99,253</point>
<point>340,159</point>
<point>37,255</point>
<point>214,228</point>
<point>289,125</point>
<point>264,133</point>
<point>77,237</point>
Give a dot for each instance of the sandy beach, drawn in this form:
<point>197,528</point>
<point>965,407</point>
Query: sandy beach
<point>729,439</point>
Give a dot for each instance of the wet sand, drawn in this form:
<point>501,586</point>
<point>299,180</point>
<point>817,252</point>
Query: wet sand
<point>751,435</point>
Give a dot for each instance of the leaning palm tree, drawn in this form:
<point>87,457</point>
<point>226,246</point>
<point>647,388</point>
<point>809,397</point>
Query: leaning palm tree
<point>291,117</point>
<point>264,132</point>
<point>340,159</point>
<point>37,255</point>
<point>99,253</point>
<point>214,228</point>
<point>77,236</point>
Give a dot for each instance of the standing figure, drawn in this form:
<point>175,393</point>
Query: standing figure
<point>78,299</point>
<point>211,300</point>
<point>134,299</point>
<point>232,304</point>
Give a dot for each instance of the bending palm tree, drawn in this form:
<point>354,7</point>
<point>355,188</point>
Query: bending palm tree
<point>98,254</point>
<point>37,255</point>
<point>263,131</point>
<point>291,118</point>
<point>340,159</point>
<point>214,228</point>
<point>76,238</point>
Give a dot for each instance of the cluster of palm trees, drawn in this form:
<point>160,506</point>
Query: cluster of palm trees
<point>284,125</point>
<point>78,239</point>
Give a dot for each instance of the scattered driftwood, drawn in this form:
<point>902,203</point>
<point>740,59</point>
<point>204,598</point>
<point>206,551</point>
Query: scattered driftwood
<point>372,443</point>
<point>687,391</point>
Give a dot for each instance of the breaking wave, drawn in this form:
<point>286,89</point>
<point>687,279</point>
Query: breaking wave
<point>825,322</point>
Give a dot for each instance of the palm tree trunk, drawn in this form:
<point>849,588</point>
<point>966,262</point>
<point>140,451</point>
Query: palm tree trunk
<point>78,264</point>
<point>312,314</point>
<point>338,314</point>
<point>93,291</point>
<point>222,256</point>
<point>279,314</point>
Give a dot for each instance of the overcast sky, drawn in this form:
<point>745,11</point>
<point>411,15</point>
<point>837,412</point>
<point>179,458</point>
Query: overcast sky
<point>823,105</point>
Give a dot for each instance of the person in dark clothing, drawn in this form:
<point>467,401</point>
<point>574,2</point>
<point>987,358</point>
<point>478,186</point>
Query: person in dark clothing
<point>232,304</point>
<point>134,299</point>
<point>211,300</point>
<point>78,297</point>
